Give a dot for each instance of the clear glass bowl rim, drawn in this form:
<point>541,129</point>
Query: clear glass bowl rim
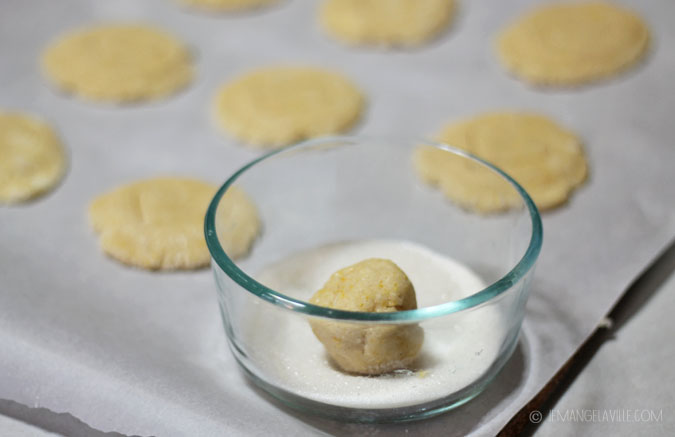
<point>522,267</point>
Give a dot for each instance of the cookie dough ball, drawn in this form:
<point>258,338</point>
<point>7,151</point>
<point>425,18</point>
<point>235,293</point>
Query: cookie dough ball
<point>372,285</point>
<point>118,63</point>
<point>279,105</point>
<point>573,43</point>
<point>158,223</point>
<point>386,22</point>
<point>545,159</point>
<point>226,5</point>
<point>32,159</point>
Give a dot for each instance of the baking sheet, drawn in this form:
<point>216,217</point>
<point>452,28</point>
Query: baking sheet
<point>144,353</point>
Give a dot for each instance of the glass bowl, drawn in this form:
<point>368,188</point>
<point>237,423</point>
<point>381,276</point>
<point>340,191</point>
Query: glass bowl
<point>330,202</point>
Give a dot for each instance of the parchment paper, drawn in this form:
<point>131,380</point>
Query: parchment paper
<point>144,353</point>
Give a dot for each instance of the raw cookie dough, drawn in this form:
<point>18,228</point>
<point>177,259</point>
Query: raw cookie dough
<point>279,105</point>
<point>386,22</point>
<point>545,159</point>
<point>118,63</point>
<point>158,223</point>
<point>32,159</point>
<point>226,5</point>
<point>372,285</point>
<point>573,43</point>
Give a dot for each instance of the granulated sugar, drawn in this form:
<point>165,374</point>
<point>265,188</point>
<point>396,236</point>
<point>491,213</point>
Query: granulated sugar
<point>457,349</point>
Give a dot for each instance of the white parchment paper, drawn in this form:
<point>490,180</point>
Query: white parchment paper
<point>144,353</point>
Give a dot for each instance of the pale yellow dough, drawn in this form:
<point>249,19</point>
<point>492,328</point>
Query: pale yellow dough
<point>386,22</point>
<point>279,105</point>
<point>226,5</point>
<point>372,285</point>
<point>544,158</point>
<point>158,223</point>
<point>32,159</point>
<point>573,43</point>
<point>118,63</point>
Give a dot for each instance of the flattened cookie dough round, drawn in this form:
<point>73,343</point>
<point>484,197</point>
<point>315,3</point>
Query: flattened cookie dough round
<point>545,159</point>
<point>226,5</point>
<point>158,223</point>
<point>118,63</point>
<point>32,159</point>
<point>237,222</point>
<point>573,43</point>
<point>386,22</point>
<point>279,105</point>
